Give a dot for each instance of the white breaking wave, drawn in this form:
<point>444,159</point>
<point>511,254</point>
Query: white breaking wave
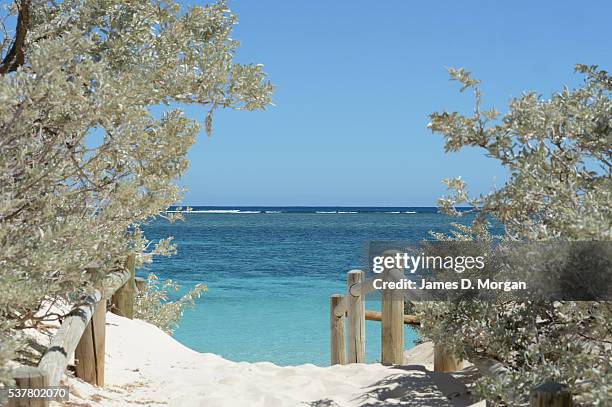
<point>215,211</point>
<point>239,211</point>
<point>335,212</point>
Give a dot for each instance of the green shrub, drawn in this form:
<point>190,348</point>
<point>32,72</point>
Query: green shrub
<point>84,162</point>
<point>557,151</point>
<point>153,305</point>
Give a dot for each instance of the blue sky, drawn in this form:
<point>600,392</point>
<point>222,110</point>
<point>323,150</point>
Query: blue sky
<point>355,83</point>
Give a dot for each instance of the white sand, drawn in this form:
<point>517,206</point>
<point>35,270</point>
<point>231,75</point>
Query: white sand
<point>146,367</point>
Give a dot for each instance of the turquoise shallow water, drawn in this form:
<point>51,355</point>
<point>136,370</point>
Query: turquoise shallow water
<point>270,273</point>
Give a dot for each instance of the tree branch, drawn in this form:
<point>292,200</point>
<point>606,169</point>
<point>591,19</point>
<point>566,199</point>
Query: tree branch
<point>16,56</point>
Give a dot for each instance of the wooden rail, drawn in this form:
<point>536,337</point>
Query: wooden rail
<point>352,308</point>
<point>392,318</point>
<point>82,334</point>
<point>377,316</point>
<point>349,346</point>
<point>62,346</point>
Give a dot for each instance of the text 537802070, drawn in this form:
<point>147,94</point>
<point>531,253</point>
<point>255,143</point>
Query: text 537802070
<point>56,393</point>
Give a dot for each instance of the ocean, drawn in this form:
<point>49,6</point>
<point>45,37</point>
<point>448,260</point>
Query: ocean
<point>270,272</point>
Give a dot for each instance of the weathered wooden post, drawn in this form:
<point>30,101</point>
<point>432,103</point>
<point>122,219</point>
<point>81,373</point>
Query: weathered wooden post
<point>89,353</point>
<point>550,394</point>
<point>29,377</point>
<point>123,299</point>
<point>392,324</point>
<point>337,331</point>
<point>356,318</point>
<point>445,361</point>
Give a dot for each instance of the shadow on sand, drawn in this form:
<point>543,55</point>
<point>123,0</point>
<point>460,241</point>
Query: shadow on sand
<point>418,387</point>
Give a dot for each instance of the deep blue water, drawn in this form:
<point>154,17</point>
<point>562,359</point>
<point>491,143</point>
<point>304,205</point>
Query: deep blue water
<point>270,273</point>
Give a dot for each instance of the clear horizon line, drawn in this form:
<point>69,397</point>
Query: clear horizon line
<point>313,206</point>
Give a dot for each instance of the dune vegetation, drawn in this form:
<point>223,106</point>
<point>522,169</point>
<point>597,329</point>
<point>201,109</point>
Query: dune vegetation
<point>557,152</point>
<point>93,137</point>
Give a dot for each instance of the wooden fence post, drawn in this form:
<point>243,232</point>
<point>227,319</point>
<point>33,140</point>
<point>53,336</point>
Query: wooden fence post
<point>29,377</point>
<point>550,394</point>
<point>123,299</point>
<point>445,361</point>
<point>89,353</point>
<point>337,331</point>
<point>356,319</point>
<point>392,325</point>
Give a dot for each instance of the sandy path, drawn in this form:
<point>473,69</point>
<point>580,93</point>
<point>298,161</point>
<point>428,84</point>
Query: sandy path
<point>145,367</point>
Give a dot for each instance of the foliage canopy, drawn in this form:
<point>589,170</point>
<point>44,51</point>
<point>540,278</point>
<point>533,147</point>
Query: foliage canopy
<point>558,154</point>
<point>84,160</point>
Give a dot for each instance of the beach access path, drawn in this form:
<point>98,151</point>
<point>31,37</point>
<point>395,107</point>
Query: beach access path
<point>146,367</point>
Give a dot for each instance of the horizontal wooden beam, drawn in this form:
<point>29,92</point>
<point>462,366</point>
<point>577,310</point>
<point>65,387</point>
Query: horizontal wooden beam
<point>377,316</point>
<point>114,281</point>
